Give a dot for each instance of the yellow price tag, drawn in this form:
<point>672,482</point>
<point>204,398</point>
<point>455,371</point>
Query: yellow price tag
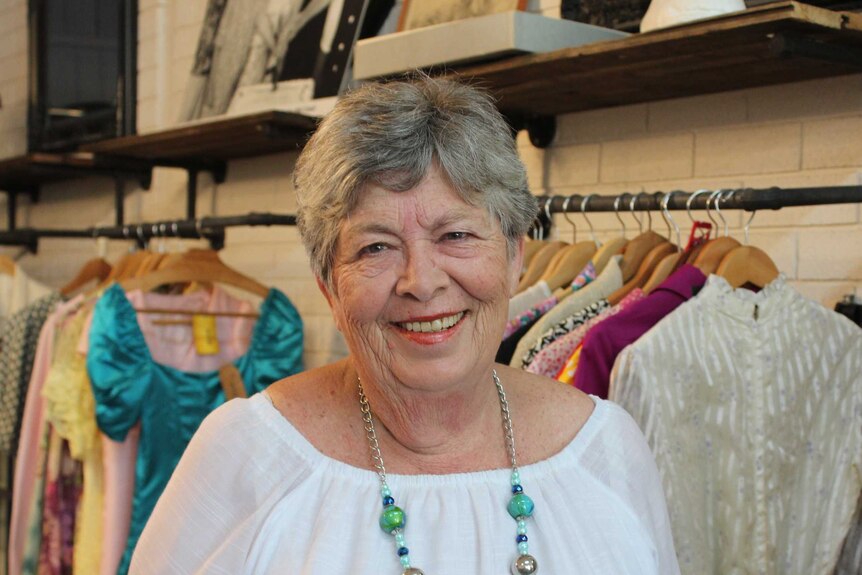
<point>205,334</point>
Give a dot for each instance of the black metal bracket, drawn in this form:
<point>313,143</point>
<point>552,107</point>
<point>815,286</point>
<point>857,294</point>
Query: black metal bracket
<point>790,45</point>
<point>12,204</point>
<point>541,129</point>
<point>218,171</point>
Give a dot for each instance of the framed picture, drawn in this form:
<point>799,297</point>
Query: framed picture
<point>268,54</point>
<point>420,13</point>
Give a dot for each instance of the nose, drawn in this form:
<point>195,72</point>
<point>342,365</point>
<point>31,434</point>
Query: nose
<point>421,277</point>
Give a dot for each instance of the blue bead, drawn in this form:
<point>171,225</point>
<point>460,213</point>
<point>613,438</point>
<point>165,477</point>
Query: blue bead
<point>517,489</point>
<point>388,500</point>
<point>402,551</point>
<point>521,538</point>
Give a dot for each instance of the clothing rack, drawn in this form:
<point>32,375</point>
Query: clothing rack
<point>208,228</point>
<point>748,199</point>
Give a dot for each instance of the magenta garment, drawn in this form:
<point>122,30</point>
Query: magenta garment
<point>604,342</point>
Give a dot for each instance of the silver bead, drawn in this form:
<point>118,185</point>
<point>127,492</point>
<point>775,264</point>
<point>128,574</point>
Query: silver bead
<point>413,571</point>
<point>525,565</point>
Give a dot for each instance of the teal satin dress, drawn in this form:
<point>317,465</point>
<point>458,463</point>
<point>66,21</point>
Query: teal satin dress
<point>170,404</point>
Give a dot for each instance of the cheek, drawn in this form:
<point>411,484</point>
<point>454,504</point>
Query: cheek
<point>360,299</point>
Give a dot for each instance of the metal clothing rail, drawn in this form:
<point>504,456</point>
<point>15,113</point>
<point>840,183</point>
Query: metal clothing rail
<point>208,228</point>
<point>748,199</point>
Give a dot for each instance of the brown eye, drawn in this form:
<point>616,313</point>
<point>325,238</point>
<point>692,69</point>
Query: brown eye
<point>373,249</point>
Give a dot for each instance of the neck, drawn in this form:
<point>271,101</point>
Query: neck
<point>435,431</point>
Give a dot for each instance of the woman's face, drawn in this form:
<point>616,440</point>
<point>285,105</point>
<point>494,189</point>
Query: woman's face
<point>421,285</point>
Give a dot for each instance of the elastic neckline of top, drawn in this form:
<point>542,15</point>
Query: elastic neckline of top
<point>297,442</point>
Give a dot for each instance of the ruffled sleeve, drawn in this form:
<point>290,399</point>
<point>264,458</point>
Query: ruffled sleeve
<point>278,339</point>
<point>118,363</point>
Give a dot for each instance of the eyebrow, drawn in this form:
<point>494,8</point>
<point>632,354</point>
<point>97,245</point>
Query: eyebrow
<point>444,220</point>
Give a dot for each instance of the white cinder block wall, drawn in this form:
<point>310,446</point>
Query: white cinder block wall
<point>805,134</point>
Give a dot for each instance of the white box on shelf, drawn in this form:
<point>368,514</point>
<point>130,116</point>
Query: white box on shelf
<point>471,40</point>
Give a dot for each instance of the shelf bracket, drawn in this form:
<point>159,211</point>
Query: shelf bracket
<point>541,129</point>
<point>789,45</point>
<point>12,204</point>
<point>218,170</point>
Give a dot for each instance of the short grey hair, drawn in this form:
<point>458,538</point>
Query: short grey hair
<point>390,134</point>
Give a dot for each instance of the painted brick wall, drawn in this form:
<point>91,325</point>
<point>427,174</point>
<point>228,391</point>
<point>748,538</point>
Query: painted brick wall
<point>804,134</point>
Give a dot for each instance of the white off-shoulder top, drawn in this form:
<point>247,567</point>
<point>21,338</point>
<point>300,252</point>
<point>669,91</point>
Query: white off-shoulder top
<point>253,496</point>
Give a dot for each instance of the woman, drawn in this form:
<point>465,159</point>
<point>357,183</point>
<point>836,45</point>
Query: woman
<point>412,206</point>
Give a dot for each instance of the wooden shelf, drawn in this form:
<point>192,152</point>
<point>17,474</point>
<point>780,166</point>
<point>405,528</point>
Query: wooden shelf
<point>770,44</point>
<point>26,173</point>
<point>215,140</point>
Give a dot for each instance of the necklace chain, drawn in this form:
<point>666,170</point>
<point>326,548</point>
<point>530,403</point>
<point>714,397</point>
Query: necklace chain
<point>393,518</point>
<point>374,444</point>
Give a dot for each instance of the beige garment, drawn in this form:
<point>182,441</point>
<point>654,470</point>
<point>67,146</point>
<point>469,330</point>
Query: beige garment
<point>752,406</point>
<point>607,282</point>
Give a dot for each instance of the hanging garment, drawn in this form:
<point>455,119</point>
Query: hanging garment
<point>292,510</point>
<point>602,344</point>
<point>19,337</point>
<point>19,291</point>
<point>171,345</point>
<point>70,409</point>
<point>610,280</point>
<point>564,327</point>
<point>62,491</point>
<point>31,456</point>
<point>552,357</point>
<point>752,405</point>
<point>534,295</point>
<point>130,387</point>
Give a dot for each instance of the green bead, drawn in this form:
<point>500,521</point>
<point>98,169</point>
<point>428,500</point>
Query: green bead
<point>392,518</point>
<point>520,506</point>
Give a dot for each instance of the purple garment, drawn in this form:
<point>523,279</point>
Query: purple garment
<point>603,343</point>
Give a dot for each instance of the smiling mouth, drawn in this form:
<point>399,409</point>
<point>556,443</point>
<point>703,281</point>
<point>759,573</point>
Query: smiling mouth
<point>435,326</point>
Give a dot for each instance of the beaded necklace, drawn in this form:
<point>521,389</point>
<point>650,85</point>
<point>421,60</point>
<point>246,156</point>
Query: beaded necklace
<point>393,519</point>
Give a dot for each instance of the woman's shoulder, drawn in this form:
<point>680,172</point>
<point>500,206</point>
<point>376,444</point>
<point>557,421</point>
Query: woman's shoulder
<point>553,416</point>
<point>317,406</point>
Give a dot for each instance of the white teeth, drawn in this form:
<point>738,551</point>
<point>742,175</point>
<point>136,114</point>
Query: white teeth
<point>433,326</point>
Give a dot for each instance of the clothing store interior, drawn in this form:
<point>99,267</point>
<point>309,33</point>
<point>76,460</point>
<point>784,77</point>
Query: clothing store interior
<point>696,256</point>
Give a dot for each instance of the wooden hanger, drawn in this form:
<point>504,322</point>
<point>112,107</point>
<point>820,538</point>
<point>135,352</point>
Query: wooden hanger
<point>538,264</point>
<point>531,248</point>
<point>662,271</point>
<point>713,252</point>
<point>645,271</point>
<point>7,265</point>
<point>747,265</point>
<point>574,259</point>
<point>93,269</point>
<point>608,250</point>
<point>636,250</point>
<point>197,265</point>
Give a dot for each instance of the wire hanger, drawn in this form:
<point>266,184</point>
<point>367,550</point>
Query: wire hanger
<point>748,265</point>
<point>613,246</point>
<point>573,259</point>
<point>196,265</point>
<point>540,262</point>
<point>95,269</point>
<point>668,262</point>
<point>637,250</point>
<point>709,258</point>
